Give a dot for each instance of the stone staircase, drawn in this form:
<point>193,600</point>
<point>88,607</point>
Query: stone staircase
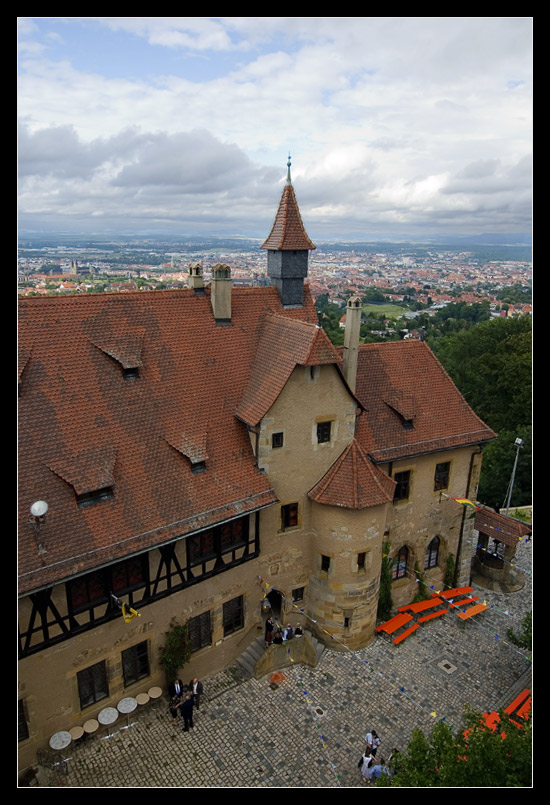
<point>257,660</point>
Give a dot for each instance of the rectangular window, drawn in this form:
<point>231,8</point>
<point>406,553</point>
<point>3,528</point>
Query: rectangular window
<point>277,439</point>
<point>92,684</point>
<point>200,631</point>
<point>23,727</point>
<point>325,563</point>
<point>95,496</point>
<point>441,477</point>
<point>135,663</point>
<point>361,560</point>
<point>289,516</point>
<point>323,432</point>
<point>402,480</point>
<point>233,616</point>
<point>298,594</point>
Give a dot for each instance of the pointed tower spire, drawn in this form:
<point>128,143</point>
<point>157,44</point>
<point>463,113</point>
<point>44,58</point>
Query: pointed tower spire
<point>288,246</point>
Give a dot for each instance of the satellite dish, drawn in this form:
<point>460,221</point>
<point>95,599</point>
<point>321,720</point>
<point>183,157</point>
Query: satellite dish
<point>39,508</point>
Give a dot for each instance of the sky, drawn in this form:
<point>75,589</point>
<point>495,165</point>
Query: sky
<point>396,126</point>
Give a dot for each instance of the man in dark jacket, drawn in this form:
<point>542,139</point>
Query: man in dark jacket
<point>187,712</point>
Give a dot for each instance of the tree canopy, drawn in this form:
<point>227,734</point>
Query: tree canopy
<point>473,756</point>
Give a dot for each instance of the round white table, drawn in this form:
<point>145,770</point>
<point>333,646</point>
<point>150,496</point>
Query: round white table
<point>60,740</point>
<point>107,717</point>
<point>142,698</point>
<point>127,706</point>
<point>155,693</point>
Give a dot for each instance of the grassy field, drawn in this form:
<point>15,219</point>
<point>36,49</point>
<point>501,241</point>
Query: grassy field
<point>389,311</point>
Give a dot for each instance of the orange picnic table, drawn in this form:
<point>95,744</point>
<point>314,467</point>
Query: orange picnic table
<point>456,591</point>
<point>421,606</point>
<point>394,623</point>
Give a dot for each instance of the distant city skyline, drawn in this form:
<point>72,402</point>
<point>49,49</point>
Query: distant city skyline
<point>396,126</point>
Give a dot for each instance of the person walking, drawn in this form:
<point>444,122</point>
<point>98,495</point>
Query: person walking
<point>187,712</point>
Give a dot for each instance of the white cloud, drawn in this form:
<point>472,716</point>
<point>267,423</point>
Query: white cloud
<point>408,119</point>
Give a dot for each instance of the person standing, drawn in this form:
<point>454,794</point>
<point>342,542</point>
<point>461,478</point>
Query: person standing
<point>187,712</point>
<point>196,689</point>
<point>368,760</point>
<point>372,741</point>
<point>269,627</point>
<point>176,688</point>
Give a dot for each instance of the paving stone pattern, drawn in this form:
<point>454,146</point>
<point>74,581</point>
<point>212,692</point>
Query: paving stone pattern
<point>307,730</point>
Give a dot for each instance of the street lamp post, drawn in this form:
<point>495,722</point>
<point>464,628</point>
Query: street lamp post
<point>519,445</point>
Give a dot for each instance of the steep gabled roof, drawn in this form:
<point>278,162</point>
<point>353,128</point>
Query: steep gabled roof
<point>353,482</point>
<point>500,527</point>
<point>282,345</point>
<point>288,232</point>
<point>411,404</point>
<point>83,426</point>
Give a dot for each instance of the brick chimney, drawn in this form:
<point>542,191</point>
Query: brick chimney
<point>220,294</point>
<point>351,340</point>
<point>195,279</point>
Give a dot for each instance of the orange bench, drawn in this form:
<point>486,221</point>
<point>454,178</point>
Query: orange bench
<point>521,705</point>
<point>469,613</point>
<point>432,615</point>
<point>406,633</point>
<point>464,601</point>
<point>457,591</point>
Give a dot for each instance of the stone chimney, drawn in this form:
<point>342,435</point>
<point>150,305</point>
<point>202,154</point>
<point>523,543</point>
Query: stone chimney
<point>195,279</point>
<point>220,294</point>
<point>351,340</point>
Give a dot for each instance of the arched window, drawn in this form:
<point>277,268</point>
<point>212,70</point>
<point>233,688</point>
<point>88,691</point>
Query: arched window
<point>432,554</point>
<point>399,569</point>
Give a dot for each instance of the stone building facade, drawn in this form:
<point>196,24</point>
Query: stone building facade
<point>193,447</point>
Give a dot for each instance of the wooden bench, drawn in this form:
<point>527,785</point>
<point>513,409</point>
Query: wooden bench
<point>521,705</point>
<point>394,623</point>
<point>432,615</point>
<point>457,591</point>
<point>464,601</point>
<point>406,633</point>
<point>469,613</point>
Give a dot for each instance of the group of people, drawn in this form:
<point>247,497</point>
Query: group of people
<point>184,698</point>
<point>278,634</point>
<point>371,767</point>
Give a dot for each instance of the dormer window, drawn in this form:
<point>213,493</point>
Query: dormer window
<point>197,467</point>
<point>95,496</point>
<point>130,373</point>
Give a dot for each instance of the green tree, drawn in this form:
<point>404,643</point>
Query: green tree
<point>176,651</point>
<point>385,601</point>
<point>472,757</point>
<point>524,637</point>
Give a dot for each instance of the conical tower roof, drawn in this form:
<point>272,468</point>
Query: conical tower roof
<point>288,233</point>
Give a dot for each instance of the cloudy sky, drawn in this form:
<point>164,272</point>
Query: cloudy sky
<point>396,125</point>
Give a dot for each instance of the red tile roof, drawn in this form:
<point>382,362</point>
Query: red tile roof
<point>353,482</point>
<point>83,426</point>
<point>283,344</point>
<point>288,232</point>
<point>500,527</point>
<point>401,383</point>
